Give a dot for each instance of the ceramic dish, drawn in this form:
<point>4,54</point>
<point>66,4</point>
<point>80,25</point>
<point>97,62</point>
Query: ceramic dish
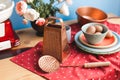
<point>99,51</point>
<point>106,43</point>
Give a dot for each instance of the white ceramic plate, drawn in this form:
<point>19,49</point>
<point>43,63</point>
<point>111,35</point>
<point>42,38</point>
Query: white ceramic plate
<point>100,51</point>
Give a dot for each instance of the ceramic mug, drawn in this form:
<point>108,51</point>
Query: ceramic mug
<point>68,33</point>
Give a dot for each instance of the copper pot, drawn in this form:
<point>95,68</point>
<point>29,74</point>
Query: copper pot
<point>88,14</point>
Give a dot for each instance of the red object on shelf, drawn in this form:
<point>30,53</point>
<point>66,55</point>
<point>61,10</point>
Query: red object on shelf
<point>8,39</point>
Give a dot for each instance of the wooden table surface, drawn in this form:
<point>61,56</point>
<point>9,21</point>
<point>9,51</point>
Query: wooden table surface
<point>11,71</point>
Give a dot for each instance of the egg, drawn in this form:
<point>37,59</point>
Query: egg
<point>91,30</point>
<point>98,28</point>
<point>109,34</point>
<point>98,33</point>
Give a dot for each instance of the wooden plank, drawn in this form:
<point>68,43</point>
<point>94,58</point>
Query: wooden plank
<point>11,71</point>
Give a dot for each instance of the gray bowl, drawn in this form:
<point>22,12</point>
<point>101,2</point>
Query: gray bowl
<point>94,38</point>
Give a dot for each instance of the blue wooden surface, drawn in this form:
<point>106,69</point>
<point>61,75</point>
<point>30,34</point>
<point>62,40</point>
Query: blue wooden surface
<point>108,6</point>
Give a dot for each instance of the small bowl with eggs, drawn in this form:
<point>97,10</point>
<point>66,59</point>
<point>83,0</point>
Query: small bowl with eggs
<point>94,32</point>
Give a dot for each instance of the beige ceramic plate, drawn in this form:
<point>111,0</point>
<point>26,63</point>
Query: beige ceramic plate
<point>106,43</point>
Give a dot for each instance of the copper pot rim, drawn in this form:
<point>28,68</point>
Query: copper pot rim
<point>90,19</point>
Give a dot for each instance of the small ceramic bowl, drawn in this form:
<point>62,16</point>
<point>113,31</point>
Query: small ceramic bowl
<point>94,38</point>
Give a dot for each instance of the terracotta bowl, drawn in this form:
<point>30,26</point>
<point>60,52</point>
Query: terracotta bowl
<point>88,14</point>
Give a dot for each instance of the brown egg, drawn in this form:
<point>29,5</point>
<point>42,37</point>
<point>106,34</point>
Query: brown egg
<point>91,30</point>
<point>98,33</point>
<point>98,28</point>
<point>109,34</point>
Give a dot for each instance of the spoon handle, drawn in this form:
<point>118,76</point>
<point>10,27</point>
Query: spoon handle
<point>91,65</point>
<point>96,64</point>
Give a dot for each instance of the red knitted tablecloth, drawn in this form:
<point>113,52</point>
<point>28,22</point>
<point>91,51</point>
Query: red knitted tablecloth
<point>29,59</point>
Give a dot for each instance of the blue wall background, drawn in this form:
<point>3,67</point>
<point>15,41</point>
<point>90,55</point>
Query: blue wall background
<point>108,6</point>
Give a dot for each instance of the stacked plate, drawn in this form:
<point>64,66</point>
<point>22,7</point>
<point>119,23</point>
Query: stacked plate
<point>107,46</point>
